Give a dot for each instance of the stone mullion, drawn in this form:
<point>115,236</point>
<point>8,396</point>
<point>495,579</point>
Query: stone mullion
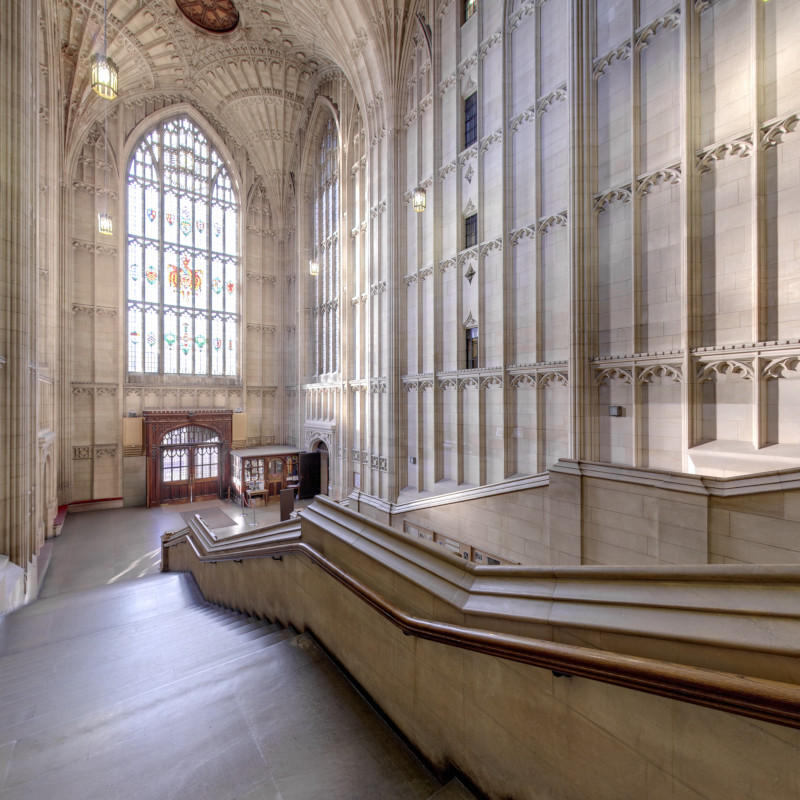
<point>541,441</point>
<point>436,247</point>
<point>480,261</point>
<point>582,222</point>
<point>420,332</point>
<point>19,187</point>
<point>758,218</point>
<point>636,231</point>
<point>458,326</point>
<point>538,288</point>
<point>691,264</point>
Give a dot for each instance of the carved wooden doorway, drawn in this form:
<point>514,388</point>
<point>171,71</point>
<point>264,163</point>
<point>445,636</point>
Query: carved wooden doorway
<point>188,455</point>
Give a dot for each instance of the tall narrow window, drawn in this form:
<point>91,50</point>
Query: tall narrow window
<point>325,249</point>
<point>472,348</point>
<point>469,8</point>
<point>471,120</point>
<point>471,230</point>
<point>182,256</point>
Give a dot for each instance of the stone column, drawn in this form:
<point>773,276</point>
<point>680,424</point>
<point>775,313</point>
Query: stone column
<point>18,199</point>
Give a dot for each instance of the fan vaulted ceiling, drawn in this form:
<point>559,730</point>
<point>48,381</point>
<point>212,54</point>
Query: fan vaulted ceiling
<point>253,81</point>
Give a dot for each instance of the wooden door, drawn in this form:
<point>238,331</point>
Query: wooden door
<point>309,475</point>
<point>187,455</point>
<point>189,472</point>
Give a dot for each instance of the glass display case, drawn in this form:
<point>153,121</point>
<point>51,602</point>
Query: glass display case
<point>259,473</point>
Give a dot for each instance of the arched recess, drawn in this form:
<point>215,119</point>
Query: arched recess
<point>180,467</point>
<point>319,241</point>
<point>183,261</point>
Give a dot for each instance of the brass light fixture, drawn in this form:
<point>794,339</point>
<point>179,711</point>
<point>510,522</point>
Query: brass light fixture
<point>105,223</point>
<point>313,267</point>
<point>104,76</point>
<point>105,73</point>
<point>418,200</point>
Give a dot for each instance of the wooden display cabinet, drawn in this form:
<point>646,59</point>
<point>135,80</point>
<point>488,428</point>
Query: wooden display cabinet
<point>261,472</point>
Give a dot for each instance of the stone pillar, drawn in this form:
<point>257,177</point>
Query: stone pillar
<point>18,199</point>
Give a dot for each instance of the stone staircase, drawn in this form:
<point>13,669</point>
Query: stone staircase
<point>142,689</point>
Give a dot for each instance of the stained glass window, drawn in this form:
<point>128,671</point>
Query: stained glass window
<point>183,256</point>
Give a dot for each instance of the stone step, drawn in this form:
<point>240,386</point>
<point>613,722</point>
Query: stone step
<point>453,790</point>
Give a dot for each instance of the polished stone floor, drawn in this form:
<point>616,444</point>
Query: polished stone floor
<point>120,682</point>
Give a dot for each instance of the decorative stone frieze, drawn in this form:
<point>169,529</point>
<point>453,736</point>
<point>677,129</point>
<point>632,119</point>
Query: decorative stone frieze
<point>90,188</point>
<point>526,9</point>
<point>777,367</point>
<point>741,146</point>
<point>621,194</point>
<point>710,370</point>
<point>667,22</point>
<point>517,235</point>
<point>105,451</point>
<point>447,169</point>
<point>377,288</point>
<point>672,371</point>
<point>493,138</point>
<point>621,53</point>
<point>604,374</point>
<point>772,132</point>
<point>81,453</point>
<point>660,177</point>
<point>91,247</point>
<point>547,224</point>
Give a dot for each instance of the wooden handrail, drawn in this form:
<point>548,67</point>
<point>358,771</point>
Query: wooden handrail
<point>770,701</point>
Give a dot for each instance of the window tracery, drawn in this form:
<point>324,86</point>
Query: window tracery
<point>182,256</point>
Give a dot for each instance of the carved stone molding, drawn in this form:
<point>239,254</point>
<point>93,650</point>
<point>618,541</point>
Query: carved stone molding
<point>493,245</point>
<point>105,451</point>
<point>777,367</point>
<point>100,311</point>
<point>493,138</point>
<point>378,386</point>
<point>622,194</point>
<point>668,21</point>
<point>660,177</point>
<point>526,9</point>
<point>672,371</point>
<point>408,280</point>
<point>553,378</point>
<point>709,371</point>
<point>621,53</point>
<point>377,288</point>
<point>468,382</point>
<point>81,453</point>
<point>741,146</point>
<point>447,169</point>
<point>91,247</point>
<point>92,189</point>
<point>548,224</point>
<point>445,264</point>
<point>467,155</point>
<point>492,382</point>
<point>528,232</point>
<point>604,374</point>
<point>772,132</point>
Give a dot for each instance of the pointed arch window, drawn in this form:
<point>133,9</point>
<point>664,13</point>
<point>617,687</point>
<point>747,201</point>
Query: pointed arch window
<point>183,263</point>
<point>324,241</point>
